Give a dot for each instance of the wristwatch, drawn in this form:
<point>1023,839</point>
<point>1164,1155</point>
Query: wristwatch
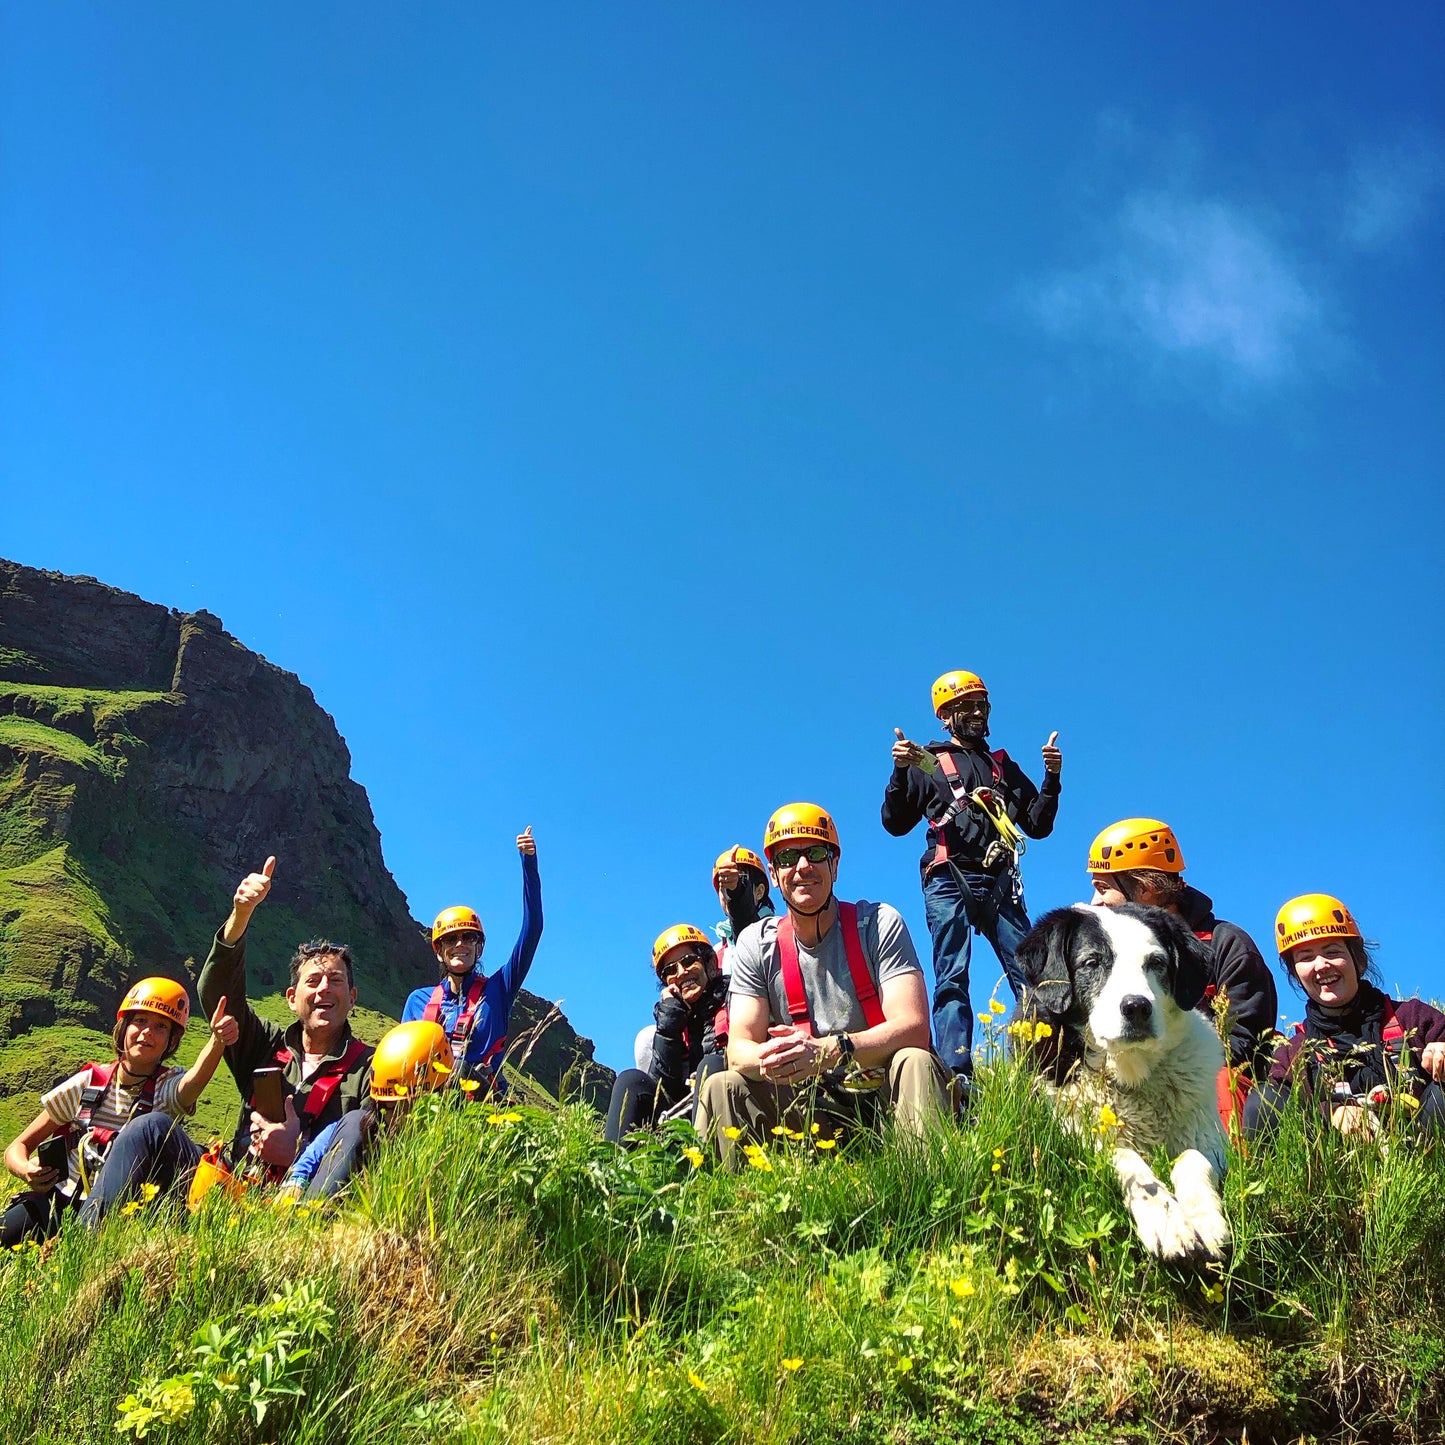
<point>845,1048</point>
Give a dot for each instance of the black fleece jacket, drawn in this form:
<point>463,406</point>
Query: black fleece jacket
<point>684,1034</point>
<point>912,795</point>
<point>1240,970</point>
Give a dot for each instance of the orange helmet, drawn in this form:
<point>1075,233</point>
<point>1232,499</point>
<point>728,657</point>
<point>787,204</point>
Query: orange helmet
<point>1309,917</point>
<point>410,1059</point>
<point>669,938</point>
<point>456,920</point>
<point>799,822</point>
<point>954,685</point>
<point>1136,843</point>
<point>161,996</point>
<point>738,857</point>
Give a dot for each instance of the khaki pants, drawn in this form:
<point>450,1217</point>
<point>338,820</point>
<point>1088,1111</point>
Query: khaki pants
<point>916,1090</point>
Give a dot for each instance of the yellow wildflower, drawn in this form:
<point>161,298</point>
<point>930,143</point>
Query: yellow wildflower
<point>693,1155</point>
<point>1043,1031</point>
<point>132,1208</point>
<point>998,1153</point>
<point>1108,1119</point>
<point>468,1086</point>
<point>813,1128</point>
<point>1214,1293</point>
<point>961,1287</point>
<point>1022,1030</point>
<point>995,1006</point>
<point>827,1143</point>
<point>284,1202</point>
<point>733,1132</point>
<point>985,1018</point>
<point>780,1130</point>
<point>793,1362</point>
<point>696,1383</point>
<point>996,1166</point>
<point>442,1068</point>
<point>149,1192</point>
<point>1407,1102</point>
<point>400,1090</point>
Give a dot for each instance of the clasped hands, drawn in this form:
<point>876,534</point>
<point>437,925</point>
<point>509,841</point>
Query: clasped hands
<point>793,1057</point>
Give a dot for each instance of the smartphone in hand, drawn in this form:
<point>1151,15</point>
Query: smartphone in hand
<point>54,1154</point>
<point>268,1098</point>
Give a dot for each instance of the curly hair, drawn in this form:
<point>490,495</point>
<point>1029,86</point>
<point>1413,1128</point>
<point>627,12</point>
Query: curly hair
<point>321,948</point>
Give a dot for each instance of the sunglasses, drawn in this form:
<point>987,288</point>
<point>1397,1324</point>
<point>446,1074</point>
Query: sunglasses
<point>814,853</point>
<point>455,938</point>
<point>675,966</point>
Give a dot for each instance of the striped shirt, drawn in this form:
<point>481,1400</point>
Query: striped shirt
<point>113,1110</point>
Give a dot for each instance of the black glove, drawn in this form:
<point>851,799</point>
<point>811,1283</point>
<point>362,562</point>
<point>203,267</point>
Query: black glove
<point>671,1015</point>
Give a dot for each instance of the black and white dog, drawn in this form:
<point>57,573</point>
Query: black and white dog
<point>1119,987</point>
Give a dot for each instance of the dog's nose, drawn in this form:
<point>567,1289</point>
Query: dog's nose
<point>1136,1008</point>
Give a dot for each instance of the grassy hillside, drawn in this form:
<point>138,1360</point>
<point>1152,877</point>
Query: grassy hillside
<point>508,1277</point>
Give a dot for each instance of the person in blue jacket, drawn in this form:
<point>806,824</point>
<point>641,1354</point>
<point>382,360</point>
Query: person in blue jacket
<point>474,1007</point>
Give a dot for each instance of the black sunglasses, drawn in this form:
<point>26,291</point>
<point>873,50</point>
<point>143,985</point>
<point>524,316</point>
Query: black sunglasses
<point>814,853</point>
<point>675,966</point>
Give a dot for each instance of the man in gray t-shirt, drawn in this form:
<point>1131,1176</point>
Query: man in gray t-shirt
<point>828,1007</point>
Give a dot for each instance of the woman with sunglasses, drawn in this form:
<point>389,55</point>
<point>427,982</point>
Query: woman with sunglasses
<point>689,1041</point>
<point>475,1008</point>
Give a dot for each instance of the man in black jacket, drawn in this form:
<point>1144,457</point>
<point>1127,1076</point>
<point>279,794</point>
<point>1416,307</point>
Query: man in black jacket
<point>978,804</point>
<point>1139,860</point>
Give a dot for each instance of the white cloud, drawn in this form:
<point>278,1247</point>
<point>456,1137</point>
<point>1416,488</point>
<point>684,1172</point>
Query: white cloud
<point>1390,192</point>
<point>1194,279</point>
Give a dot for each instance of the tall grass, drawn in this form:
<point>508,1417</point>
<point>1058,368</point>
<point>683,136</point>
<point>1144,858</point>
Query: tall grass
<point>504,1275</point>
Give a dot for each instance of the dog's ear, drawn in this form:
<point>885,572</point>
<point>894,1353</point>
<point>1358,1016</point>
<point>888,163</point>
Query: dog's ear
<point>1190,957</point>
<point>1044,959</point>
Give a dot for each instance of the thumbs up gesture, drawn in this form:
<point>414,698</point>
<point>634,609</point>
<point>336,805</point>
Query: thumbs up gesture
<point>224,1029</point>
<point>1053,758</point>
<point>253,888</point>
<point>905,753</point>
<point>526,844</point>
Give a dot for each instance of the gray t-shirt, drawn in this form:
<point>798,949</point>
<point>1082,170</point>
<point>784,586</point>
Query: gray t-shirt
<point>887,950</point>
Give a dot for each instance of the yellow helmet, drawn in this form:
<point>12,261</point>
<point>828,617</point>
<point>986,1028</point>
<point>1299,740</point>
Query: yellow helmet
<point>456,920</point>
<point>410,1059</point>
<point>1136,843</point>
<point>669,938</point>
<point>1309,917</point>
<point>799,822</point>
<point>738,857</point>
<point>161,996</point>
<point>954,685</point>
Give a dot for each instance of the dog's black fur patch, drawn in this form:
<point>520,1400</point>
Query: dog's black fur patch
<point>1065,959</point>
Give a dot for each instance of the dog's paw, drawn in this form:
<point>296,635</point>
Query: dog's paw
<point>1193,1179</point>
<point>1212,1227</point>
<point>1165,1230</point>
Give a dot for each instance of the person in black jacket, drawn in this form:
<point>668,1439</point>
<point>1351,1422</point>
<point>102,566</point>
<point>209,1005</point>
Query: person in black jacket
<point>1139,860</point>
<point>1360,1056</point>
<point>689,1041</point>
<point>979,804</point>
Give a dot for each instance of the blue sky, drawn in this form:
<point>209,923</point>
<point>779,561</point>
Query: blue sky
<point>619,415</point>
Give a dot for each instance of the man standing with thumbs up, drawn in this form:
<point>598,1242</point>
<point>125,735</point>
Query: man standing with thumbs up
<point>979,804</point>
<point>315,1070</point>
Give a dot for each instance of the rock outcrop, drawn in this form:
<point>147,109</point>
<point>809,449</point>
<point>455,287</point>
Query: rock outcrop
<point>147,760</point>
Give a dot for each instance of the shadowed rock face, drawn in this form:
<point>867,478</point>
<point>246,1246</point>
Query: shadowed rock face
<point>148,760</point>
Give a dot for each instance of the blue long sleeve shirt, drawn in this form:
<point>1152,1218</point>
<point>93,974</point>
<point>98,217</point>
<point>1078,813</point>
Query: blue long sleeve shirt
<point>488,1039</point>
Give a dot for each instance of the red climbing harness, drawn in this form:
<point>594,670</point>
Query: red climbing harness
<point>466,1014</point>
<point>863,985</point>
<point>949,768</point>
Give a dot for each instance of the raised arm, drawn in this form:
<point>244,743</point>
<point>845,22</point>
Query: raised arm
<point>514,971</point>
<point>224,974</point>
<point>224,1032</point>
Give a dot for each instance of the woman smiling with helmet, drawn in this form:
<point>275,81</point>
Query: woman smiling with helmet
<point>1358,1052</point>
<point>690,1038</point>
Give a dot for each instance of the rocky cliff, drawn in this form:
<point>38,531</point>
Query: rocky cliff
<point>147,760</point>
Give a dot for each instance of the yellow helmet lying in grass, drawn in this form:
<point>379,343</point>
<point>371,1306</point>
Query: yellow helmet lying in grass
<point>410,1059</point>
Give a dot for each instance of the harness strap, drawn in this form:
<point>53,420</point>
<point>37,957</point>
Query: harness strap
<point>326,1080</point>
<point>94,1093</point>
<point>949,768</point>
<point>864,988</point>
<point>466,1012</point>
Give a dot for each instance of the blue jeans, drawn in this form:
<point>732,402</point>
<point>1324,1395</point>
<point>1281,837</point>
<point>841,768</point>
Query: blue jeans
<point>153,1149</point>
<point>957,904</point>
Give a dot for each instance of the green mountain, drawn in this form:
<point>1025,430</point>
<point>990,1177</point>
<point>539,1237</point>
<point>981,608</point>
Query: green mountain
<point>147,761</point>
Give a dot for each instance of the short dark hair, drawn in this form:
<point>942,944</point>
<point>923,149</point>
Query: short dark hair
<point>321,948</point>
<point>1168,888</point>
<point>117,1034</point>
